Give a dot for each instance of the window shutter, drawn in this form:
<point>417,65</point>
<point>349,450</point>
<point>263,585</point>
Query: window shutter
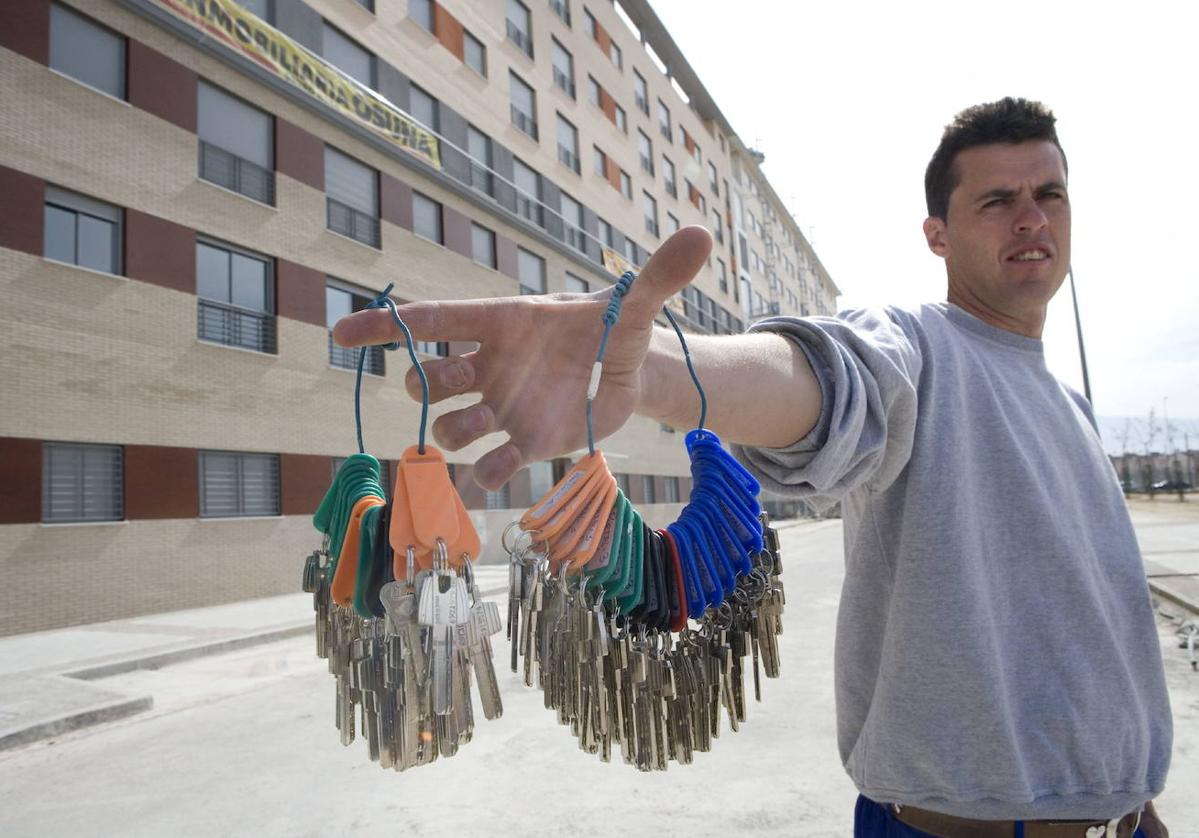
<point>238,128</point>
<point>351,182</point>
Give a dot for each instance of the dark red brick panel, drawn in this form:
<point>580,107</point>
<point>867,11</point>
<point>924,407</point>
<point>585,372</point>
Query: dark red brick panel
<point>161,86</point>
<point>299,155</point>
<point>161,482</point>
<point>303,479</point>
<point>395,201</point>
<point>456,231</point>
<point>160,252</point>
<point>449,30</point>
<point>505,257</point>
<point>20,480</point>
<point>23,218</point>
<point>300,292</point>
<point>25,28</point>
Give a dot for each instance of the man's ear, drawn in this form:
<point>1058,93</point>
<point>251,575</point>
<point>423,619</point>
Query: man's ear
<point>935,235</point>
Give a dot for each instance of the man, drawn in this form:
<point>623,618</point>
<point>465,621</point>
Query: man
<point>997,664</point>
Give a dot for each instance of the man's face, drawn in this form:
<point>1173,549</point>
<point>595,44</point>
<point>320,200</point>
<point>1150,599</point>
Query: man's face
<point>1006,240</point>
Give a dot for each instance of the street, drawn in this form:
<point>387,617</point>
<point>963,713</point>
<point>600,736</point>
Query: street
<point>243,744</point>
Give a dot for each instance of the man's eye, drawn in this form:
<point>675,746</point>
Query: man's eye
<point>994,202</point>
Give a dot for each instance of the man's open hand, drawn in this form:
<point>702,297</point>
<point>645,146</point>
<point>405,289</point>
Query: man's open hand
<point>534,360</point>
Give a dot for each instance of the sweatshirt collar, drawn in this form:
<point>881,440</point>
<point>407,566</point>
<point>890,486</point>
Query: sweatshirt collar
<point>964,319</point>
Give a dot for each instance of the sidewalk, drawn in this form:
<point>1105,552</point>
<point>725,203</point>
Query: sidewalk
<point>44,676</point>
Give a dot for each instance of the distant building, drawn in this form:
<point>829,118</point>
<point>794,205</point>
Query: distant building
<point>193,198</point>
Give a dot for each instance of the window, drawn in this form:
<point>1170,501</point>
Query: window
<point>668,177</point>
<point>81,482</point>
<point>601,162</point>
<point>588,22</point>
<point>341,300</point>
<point>575,286</point>
<point>622,483</point>
<point>426,218</point>
<point>348,56</point>
<point>82,231</point>
<point>713,180</point>
<point>234,288</point>
<point>626,184</point>
<point>593,91</point>
<point>236,144</point>
<point>651,212</point>
<point>520,26</point>
<point>622,120</point>
<point>646,149</point>
<point>260,8</point>
<point>524,105</point>
<point>664,119</point>
<point>568,144</point>
<point>528,192</point>
<point>369,5</point>
<point>478,146</point>
<point>437,349</point>
<point>744,248</point>
<point>717,226</point>
<point>723,275</point>
<point>672,224</point>
<point>352,198</point>
<point>86,51</point>
<point>672,490</point>
<point>647,486</point>
<point>482,245</point>
<point>564,68</point>
<point>572,222</point>
<point>640,93</point>
<point>531,270</point>
<point>501,498</point>
<point>421,12</point>
<point>236,485</point>
<point>561,9</point>
<point>630,250</point>
<point>605,233</point>
<point>541,478</point>
<point>474,53</point>
<point>423,108</point>
<point>615,54</point>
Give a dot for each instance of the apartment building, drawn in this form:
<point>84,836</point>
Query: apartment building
<point>198,189</point>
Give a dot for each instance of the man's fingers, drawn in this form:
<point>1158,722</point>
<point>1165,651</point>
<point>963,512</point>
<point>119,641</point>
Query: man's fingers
<point>497,466</point>
<point>447,377</point>
<point>459,428</point>
<point>669,270</point>
<point>430,320</point>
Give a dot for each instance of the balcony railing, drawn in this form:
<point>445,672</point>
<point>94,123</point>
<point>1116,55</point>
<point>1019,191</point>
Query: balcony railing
<point>347,358</point>
<point>574,236</point>
<point>232,172</point>
<point>354,224</point>
<point>529,207</point>
<point>481,178</point>
<point>521,38</point>
<point>569,158</point>
<point>235,326</point>
<point>565,82</point>
<point>524,122</point>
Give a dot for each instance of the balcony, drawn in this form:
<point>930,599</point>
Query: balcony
<point>524,122</point>
<point>528,207</point>
<point>347,358</point>
<point>565,82</point>
<point>574,237</point>
<point>481,178</point>
<point>352,223</point>
<point>232,325</point>
<point>232,172</point>
<point>569,158</point>
<point>521,38</point>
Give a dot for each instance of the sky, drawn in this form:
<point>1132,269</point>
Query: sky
<point>848,100</point>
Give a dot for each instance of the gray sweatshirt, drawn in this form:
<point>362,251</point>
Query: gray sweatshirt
<point>996,652</point>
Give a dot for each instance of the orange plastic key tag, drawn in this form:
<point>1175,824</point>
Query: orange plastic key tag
<point>563,544</point>
<point>426,508</point>
<point>400,533</point>
<point>468,546</point>
<point>593,535</point>
<point>563,492</point>
<point>573,508</point>
<point>346,574</point>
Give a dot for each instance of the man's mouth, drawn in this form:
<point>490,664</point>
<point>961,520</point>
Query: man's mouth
<point>1034,255</point>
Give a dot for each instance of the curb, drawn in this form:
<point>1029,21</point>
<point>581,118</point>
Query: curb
<point>89,717</point>
<point>1180,599</point>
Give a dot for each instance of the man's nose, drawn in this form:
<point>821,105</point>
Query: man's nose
<point>1030,217</point>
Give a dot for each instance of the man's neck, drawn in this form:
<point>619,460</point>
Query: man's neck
<point>1028,323</point>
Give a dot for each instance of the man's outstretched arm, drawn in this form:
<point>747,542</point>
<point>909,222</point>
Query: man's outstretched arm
<point>534,361</point>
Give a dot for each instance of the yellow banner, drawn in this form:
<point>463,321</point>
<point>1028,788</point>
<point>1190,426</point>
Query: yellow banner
<point>249,35</point>
<point>616,264</point>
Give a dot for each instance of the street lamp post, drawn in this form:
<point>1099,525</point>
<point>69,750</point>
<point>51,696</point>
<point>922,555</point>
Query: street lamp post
<point>1082,351</point>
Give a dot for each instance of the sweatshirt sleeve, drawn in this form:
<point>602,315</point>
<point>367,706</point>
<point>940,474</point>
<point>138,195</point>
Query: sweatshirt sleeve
<point>868,365</point>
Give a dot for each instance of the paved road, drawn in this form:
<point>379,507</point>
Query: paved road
<point>243,744</point>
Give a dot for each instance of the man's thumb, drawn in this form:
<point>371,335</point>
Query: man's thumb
<point>668,271</point>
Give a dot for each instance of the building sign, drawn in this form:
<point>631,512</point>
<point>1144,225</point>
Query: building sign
<point>249,35</point>
<point>616,264</point>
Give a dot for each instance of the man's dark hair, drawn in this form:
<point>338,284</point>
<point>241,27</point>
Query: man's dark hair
<point>1006,121</point>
